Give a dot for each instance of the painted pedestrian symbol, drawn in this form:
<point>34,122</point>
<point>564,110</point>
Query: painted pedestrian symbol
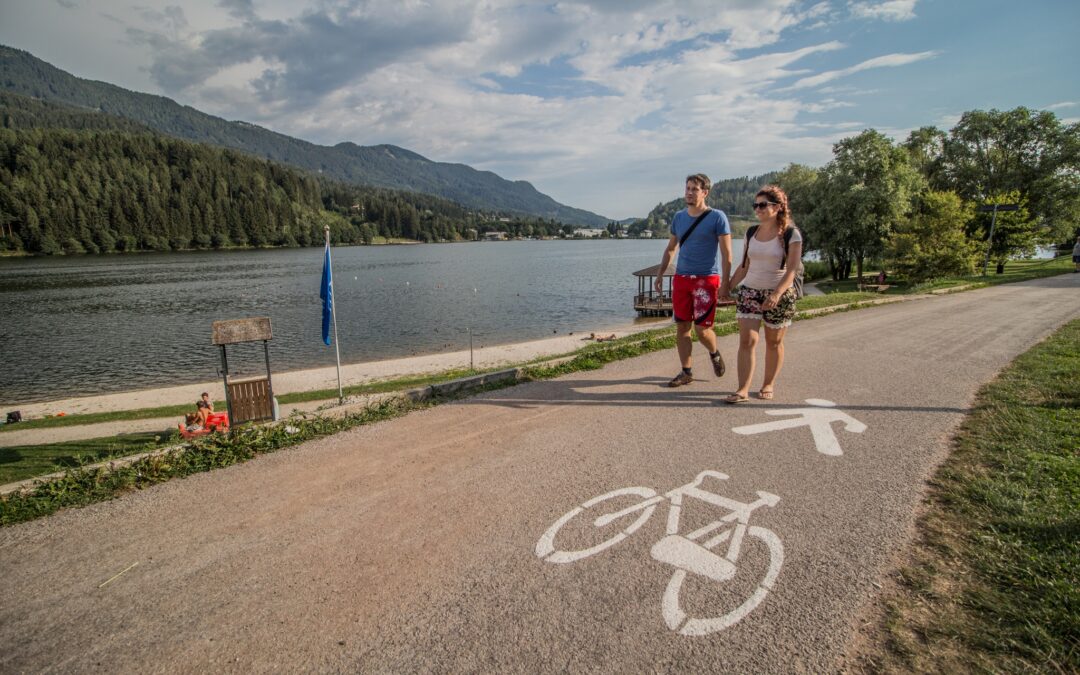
<point>819,419</point>
<point>690,553</point>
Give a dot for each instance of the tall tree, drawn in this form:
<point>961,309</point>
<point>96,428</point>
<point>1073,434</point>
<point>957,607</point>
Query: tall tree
<point>801,183</point>
<point>866,190</point>
<point>1013,234</point>
<point>933,243</point>
<point>925,147</point>
<point>991,153</point>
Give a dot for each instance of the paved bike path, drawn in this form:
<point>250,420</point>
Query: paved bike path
<point>412,545</point>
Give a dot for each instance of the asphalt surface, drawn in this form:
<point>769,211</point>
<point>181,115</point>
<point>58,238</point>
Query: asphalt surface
<point>425,544</point>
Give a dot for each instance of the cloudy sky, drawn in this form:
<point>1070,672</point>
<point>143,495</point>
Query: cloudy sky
<point>602,104</point>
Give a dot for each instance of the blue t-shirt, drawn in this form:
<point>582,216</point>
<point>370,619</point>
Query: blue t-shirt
<point>700,254</point>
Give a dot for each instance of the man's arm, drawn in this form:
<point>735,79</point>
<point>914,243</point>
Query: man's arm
<point>724,241</point>
<point>740,270</point>
<point>669,253</point>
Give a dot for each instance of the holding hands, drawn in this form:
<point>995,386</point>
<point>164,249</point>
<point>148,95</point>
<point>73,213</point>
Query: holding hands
<point>771,301</point>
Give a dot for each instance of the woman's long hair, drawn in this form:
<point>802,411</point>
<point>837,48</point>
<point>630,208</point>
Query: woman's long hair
<point>776,195</point>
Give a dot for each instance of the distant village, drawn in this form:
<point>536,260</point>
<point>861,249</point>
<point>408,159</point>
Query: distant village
<point>617,232</point>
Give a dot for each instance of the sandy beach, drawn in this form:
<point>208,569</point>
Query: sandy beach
<point>326,378</point>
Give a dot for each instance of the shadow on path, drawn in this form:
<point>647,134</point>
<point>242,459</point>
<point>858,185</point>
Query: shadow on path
<point>653,393</point>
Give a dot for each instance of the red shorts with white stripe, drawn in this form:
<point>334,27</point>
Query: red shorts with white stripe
<point>693,298</point>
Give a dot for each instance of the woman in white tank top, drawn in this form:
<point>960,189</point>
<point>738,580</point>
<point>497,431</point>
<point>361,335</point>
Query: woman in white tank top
<point>764,290</point>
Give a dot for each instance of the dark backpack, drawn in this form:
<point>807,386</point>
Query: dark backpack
<point>797,284</point>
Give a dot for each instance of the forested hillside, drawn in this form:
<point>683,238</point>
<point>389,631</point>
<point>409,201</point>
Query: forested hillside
<point>94,190</point>
<point>733,196</point>
<point>23,112</point>
<point>378,166</point>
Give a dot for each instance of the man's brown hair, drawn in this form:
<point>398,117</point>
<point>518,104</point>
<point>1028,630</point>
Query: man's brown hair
<point>701,180</point>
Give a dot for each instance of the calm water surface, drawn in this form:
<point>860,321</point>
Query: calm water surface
<point>72,326</point>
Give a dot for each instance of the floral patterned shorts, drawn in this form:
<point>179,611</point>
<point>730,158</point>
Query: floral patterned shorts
<point>693,298</point>
<point>748,306</point>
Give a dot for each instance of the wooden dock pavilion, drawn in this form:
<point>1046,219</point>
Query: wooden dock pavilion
<point>648,302</point>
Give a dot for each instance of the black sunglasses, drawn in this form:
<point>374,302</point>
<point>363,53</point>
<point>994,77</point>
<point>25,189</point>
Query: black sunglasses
<point>763,205</point>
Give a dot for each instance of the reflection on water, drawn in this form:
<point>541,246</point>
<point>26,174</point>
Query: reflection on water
<point>84,325</point>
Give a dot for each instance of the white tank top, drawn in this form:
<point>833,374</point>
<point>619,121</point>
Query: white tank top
<point>765,258</point>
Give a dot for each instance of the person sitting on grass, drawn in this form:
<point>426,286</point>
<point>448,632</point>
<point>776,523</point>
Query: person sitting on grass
<point>203,407</point>
<point>191,422</point>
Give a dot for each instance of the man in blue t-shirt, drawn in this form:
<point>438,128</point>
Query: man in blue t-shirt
<point>697,284</point>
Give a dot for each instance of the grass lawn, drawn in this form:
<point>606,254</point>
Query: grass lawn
<point>1016,270</point>
<point>26,461</point>
<point>178,411</point>
<point>993,585</point>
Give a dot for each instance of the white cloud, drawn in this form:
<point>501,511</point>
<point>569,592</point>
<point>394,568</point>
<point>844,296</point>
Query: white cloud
<point>604,104</point>
<point>887,61</point>
<point>948,120</point>
<point>1063,104</point>
<point>890,10</point>
<point>826,105</point>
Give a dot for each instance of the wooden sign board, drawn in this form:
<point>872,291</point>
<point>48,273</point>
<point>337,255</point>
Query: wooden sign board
<point>241,330</point>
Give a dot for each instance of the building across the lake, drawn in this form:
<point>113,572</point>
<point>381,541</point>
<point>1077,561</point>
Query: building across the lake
<point>588,233</point>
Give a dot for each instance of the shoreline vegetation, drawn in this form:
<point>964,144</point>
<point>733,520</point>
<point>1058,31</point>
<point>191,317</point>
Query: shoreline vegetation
<point>76,457</point>
<point>375,242</point>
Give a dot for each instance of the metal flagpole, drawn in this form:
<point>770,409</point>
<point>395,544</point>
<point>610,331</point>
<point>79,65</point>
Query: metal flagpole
<point>333,315</point>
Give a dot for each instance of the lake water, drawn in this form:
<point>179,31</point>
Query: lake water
<point>83,325</point>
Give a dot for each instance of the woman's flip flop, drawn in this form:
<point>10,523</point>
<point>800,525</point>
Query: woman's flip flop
<point>736,398</point>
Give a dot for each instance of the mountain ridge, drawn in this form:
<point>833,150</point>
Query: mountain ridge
<point>383,165</point>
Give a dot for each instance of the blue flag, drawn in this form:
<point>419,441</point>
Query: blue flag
<point>327,295</point>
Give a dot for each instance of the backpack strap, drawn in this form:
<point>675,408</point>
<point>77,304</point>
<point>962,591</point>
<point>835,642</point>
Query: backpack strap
<point>746,248</point>
<point>693,226</point>
<point>788,233</point>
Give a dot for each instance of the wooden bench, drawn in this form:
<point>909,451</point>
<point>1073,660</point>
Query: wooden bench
<point>877,288</point>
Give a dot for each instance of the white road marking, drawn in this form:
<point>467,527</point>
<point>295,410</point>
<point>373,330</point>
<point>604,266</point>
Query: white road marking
<point>819,419</point>
<point>683,552</point>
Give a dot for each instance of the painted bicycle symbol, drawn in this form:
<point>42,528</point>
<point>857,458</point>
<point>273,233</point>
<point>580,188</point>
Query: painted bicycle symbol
<point>689,554</point>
